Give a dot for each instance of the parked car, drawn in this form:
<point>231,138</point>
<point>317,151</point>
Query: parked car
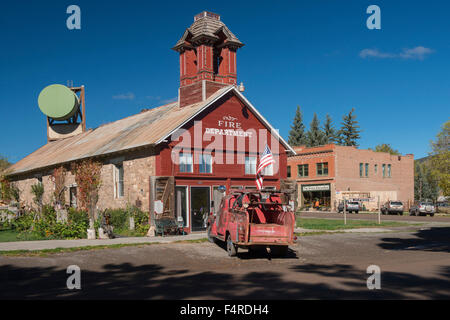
<point>392,207</point>
<point>351,206</point>
<point>422,209</point>
<point>253,220</point>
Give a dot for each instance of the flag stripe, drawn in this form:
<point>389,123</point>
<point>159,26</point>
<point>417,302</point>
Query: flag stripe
<point>265,160</point>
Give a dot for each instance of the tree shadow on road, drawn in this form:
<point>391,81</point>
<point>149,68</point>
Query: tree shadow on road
<point>435,239</point>
<point>152,281</point>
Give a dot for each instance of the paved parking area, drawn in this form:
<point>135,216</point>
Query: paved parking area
<point>333,266</point>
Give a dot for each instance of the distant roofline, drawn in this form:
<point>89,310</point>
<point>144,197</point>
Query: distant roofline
<point>303,149</point>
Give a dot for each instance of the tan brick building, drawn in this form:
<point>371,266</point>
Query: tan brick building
<point>331,173</point>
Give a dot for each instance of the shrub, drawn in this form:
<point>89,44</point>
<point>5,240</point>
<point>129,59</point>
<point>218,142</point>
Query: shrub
<point>78,216</point>
<point>88,178</point>
<point>38,191</point>
<point>118,218</point>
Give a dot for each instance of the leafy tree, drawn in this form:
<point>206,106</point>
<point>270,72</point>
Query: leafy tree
<point>329,130</point>
<point>315,136</point>
<point>59,179</point>
<point>386,148</point>
<point>440,158</point>
<point>297,136</point>
<point>88,178</point>
<point>349,132</point>
<point>4,163</point>
<point>425,183</point>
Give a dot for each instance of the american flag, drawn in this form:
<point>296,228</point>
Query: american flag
<point>265,160</point>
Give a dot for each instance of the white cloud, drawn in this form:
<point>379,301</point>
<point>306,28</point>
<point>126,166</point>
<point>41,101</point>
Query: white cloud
<point>417,53</point>
<point>124,96</point>
<point>375,53</point>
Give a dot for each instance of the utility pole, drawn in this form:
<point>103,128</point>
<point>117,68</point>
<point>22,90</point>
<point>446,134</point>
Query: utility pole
<point>345,212</point>
<point>379,210</point>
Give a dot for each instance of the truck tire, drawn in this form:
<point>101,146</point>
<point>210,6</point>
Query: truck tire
<point>231,248</point>
<point>431,214</point>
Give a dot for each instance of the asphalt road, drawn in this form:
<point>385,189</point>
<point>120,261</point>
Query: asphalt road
<point>413,265</point>
<point>374,217</point>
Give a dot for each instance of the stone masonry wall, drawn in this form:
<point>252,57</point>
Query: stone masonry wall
<point>138,167</point>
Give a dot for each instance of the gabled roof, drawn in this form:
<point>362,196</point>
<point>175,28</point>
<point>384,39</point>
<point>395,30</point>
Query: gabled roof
<point>146,128</point>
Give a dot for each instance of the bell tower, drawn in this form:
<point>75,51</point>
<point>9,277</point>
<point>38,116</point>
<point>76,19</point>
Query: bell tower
<point>207,58</point>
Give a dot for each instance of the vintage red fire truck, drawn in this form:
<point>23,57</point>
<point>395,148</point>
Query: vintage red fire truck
<point>253,220</point>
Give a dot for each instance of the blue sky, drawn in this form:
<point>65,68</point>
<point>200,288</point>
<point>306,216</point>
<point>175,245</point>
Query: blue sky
<point>317,54</point>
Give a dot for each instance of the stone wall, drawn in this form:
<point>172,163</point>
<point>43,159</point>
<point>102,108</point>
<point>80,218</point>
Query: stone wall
<point>138,167</point>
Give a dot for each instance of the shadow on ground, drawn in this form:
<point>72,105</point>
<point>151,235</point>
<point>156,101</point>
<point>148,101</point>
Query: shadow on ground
<point>126,281</point>
<point>436,239</point>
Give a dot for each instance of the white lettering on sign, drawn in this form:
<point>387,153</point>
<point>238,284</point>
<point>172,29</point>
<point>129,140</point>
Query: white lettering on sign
<point>227,126</point>
<point>323,187</point>
<point>228,132</point>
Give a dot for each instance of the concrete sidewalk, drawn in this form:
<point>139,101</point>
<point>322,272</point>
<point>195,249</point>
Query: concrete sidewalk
<point>354,230</point>
<point>53,244</point>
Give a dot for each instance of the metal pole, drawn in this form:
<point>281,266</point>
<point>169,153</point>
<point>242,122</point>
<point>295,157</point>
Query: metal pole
<point>345,212</point>
<point>379,211</point>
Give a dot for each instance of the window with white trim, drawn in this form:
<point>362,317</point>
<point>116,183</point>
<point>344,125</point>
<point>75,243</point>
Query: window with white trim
<point>185,163</point>
<point>267,171</point>
<point>205,163</point>
<point>118,181</point>
<point>250,165</point>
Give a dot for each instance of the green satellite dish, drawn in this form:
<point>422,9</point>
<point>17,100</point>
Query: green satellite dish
<point>58,102</point>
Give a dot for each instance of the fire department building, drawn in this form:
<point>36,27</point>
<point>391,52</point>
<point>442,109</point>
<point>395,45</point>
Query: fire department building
<point>331,173</point>
<point>178,157</point>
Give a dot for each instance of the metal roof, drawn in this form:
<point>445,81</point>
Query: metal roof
<point>146,128</point>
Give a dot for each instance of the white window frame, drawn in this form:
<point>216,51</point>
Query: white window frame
<point>182,157</point>
<point>250,163</point>
<point>116,180</point>
<point>267,171</point>
<point>201,163</point>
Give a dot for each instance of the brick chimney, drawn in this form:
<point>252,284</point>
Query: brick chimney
<point>207,58</point>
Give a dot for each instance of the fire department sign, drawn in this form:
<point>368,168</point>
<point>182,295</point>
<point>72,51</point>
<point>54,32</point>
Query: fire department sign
<point>228,126</point>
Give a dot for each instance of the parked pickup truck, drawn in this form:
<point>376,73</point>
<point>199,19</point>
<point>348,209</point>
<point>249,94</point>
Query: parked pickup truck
<point>350,206</point>
<point>392,207</point>
<point>252,220</point>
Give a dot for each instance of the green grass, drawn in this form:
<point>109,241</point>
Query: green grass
<point>13,235</point>
<point>8,235</point>
<point>331,224</point>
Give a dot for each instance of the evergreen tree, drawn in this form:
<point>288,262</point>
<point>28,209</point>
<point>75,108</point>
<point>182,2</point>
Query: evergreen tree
<point>349,132</point>
<point>329,131</point>
<point>315,136</point>
<point>297,136</point>
<point>425,182</point>
<point>386,148</point>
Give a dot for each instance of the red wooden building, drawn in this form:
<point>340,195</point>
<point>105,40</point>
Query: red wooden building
<point>178,158</point>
